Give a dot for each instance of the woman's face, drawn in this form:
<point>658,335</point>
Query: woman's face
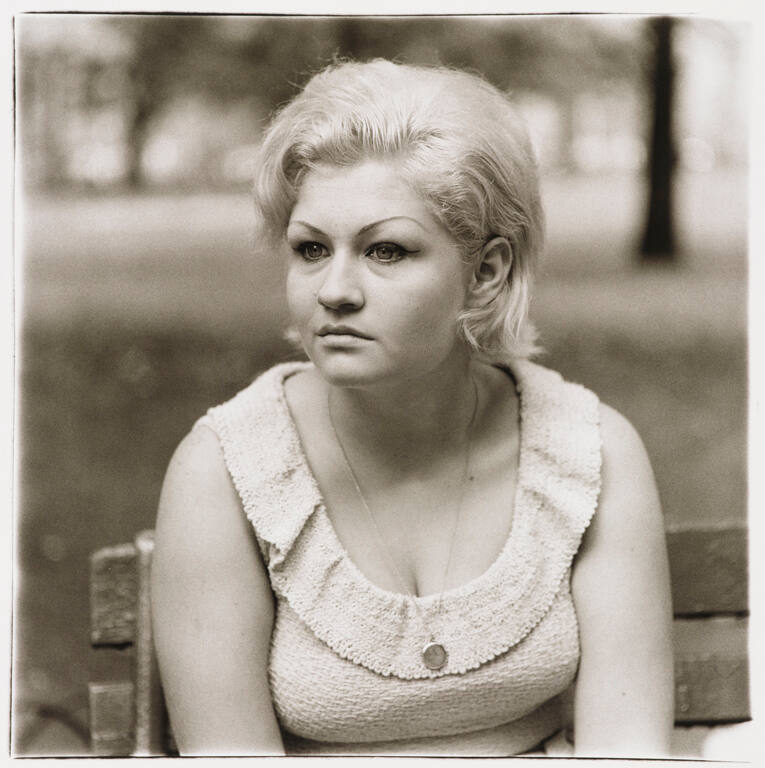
<point>375,282</point>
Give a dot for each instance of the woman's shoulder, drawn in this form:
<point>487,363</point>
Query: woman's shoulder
<point>255,412</point>
<point>628,509</point>
<point>629,495</point>
<point>197,468</point>
<point>267,387</point>
<point>549,386</point>
<point>552,392</point>
<point>620,439</point>
<point>560,419</point>
<point>198,502</point>
<point>256,424</point>
<point>204,462</point>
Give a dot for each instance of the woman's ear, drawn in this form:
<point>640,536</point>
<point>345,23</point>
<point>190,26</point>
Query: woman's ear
<point>491,271</point>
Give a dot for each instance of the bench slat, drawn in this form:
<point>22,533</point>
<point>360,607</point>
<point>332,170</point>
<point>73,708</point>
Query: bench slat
<point>709,569</point>
<point>111,718</point>
<point>150,713</point>
<point>711,670</point>
<point>113,595</point>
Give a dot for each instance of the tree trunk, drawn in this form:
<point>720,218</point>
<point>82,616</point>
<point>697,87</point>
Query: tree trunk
<point>659,236</point>
<point>135,140</point>
<point>348,35</point>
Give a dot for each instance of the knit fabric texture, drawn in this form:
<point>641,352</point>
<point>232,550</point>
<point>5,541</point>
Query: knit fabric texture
<point>346,670</point>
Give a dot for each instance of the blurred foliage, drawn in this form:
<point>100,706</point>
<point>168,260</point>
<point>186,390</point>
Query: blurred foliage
<point>228,59</point>
<point>180,99</point>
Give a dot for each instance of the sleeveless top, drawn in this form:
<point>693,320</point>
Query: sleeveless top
<point>345,665</point>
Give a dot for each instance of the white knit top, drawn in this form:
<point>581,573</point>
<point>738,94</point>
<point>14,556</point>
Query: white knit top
<point>345,668</point>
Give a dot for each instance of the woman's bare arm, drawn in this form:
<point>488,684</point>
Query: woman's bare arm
<point>212,609</point>
<point>624,693</point>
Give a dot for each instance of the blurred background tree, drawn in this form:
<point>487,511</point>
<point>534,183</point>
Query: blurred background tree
<point>659,237</point>
<point>162,62</point>
<point>180,99</point>
<point>144,300</point>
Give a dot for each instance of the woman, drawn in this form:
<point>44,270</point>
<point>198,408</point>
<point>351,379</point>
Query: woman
<point>417,542</point>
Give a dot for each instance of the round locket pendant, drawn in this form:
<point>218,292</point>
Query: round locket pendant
<point>434,655</point>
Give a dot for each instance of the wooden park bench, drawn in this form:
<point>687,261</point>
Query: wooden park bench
<point>709,590</point>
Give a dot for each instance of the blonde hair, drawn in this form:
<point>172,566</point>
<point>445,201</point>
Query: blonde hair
<point>457,140</point>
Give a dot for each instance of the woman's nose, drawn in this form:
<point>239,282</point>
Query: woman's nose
<point>341,287</point>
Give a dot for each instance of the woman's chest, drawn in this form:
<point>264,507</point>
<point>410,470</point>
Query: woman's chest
<point>425,537</point>
<point>321,696</point>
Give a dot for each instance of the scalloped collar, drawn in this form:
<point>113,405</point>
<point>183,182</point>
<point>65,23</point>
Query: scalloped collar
<point>556,495</point>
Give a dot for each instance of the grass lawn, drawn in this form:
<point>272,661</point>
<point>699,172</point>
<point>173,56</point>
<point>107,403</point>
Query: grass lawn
<point>140,313</point>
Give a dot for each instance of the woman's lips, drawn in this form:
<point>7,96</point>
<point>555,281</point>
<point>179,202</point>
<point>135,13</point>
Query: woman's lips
<point>342,331</point>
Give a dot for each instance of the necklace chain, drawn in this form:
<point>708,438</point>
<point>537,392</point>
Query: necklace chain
<point>386,551</point>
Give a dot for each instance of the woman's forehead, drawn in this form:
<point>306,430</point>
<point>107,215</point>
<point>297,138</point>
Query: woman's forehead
<point>371,189</point>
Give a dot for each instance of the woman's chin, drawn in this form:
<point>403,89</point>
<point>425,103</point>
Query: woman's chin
<point>349,370</point>
<point>349,376</point>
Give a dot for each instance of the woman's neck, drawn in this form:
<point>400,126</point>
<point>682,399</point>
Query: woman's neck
<point>411,418</point>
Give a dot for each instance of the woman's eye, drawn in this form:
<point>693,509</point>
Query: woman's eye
<point>312,251</point>
<point>387,252</point>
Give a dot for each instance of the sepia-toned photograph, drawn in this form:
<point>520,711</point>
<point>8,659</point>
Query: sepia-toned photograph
<point>381,385</point>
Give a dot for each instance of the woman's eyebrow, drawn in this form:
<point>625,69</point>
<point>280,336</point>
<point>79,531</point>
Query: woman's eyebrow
<point>367,227</point>
<point>364,229</point>
<point>307,226</point>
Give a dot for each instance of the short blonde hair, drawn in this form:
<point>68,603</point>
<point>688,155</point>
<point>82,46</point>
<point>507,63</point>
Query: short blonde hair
<point>457,140</point>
